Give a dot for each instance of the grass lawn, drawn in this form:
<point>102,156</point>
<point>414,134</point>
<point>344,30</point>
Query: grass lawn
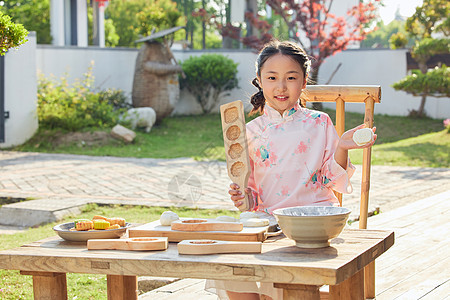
<point>401,141</point>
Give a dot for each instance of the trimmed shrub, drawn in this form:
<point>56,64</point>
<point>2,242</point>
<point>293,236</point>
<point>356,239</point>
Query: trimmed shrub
<point>208,77</point>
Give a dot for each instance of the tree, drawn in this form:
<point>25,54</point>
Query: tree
<point>208,77</point>
<point>311,24</point>
<point>11,35</point>
<point>134,19</point>
<point>380,37</point>
<point>32,14</point>
<point>111,36</point>
<point>325,34</point>
<point>199,29</point>
<point>430,18</point>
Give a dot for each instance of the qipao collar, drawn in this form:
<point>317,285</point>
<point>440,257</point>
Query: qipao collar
<point>275,116</point>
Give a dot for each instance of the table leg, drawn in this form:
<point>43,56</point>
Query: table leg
<point>122,287</point>
<point>299,291</point>
<point>48,285</point>
<point>350,289</point>
<point>369,280</point>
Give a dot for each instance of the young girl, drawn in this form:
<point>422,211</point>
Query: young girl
<point>296,156</point>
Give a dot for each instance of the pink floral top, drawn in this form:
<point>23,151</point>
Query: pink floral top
<point>292,160</point>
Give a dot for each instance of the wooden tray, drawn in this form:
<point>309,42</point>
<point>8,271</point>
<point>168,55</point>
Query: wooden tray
<point>248,234</point>
<point>213,247</point>
<point>236,147</point>
<point>137,244</point>
<point>205,225</point>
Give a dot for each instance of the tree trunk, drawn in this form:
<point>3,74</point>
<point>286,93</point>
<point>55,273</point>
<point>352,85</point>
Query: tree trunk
<point>203,27</point>
<point>227,42</point>
<point>314,74</point>
<point>420,112</point>
<point>423,68</point>
<point>185,6</point>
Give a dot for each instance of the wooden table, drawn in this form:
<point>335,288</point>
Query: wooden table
<point>300,272</point>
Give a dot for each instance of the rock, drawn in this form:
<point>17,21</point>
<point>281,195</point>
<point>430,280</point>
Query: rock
<point>121,133</point>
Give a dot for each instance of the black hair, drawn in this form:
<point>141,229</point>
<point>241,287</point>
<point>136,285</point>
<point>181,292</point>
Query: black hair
<point>270,49</point>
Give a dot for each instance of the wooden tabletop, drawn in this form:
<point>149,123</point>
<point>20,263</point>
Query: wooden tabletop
<point>280,261</point>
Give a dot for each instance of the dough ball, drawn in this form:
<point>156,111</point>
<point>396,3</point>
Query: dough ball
<point>168,217</point>
<point>248,215</point>
<point>253,222</point>
<point>226,219</point>
<point>362,136</point>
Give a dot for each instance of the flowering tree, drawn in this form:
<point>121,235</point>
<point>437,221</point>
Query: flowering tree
<point>311,25</point>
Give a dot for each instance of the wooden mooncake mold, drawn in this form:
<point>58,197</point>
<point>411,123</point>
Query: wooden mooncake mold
<point>236,148</point>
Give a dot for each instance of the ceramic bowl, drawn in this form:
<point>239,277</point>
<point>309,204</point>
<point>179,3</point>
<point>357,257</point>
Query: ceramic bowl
<point>63,230</point>
<point>312,226</point>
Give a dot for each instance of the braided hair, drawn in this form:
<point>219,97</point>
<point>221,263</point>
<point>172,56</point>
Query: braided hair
<point>272,48</point>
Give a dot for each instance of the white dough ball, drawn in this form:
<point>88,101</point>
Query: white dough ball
<point>168,217</point>
<point>226,219</point>
<point>248,215</point>
<point>362,136</point>
<point>253,222</point>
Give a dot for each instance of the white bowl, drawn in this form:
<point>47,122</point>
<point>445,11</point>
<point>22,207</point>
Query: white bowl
<point>312,226</point>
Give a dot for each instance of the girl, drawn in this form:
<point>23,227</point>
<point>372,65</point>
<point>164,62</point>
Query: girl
<point>295,153</point>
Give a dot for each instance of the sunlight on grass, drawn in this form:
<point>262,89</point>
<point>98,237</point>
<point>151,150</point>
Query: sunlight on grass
<point>428,150</point>
<point>200,137</point>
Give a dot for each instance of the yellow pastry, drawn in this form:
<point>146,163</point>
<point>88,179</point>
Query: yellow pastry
<point>100,224</point>
<point>84,225</point>
<point>115,226</point>
<point>119,221</point>
<point>100,217</point>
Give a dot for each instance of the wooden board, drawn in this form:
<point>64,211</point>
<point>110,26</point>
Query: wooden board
<point>214,247</point>
<point>236,147</point>
<point>205,225</point>
<point>136,244</point>
<point>249,234</point>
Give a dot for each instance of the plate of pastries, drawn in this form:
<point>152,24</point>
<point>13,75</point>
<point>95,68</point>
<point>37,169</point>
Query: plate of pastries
<point>99,227</point>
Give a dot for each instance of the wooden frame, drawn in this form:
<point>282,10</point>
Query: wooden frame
<point>340,94</point>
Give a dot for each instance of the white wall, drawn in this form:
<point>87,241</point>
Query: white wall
<point>20,93</point>
<point>114,68</point>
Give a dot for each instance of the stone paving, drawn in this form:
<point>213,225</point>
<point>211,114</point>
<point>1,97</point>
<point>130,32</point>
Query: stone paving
<point>60,179</point>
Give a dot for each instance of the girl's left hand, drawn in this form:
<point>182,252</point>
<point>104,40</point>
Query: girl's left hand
<point>346,141</point>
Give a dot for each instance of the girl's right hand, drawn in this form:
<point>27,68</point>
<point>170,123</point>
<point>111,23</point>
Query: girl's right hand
<point>237,196</point>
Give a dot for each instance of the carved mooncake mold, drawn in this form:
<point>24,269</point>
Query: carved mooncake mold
<point>231,114</point>
<point>237,168</point>
<point>235,151</point>
<point>235,141</point>
<point>233,132</point>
